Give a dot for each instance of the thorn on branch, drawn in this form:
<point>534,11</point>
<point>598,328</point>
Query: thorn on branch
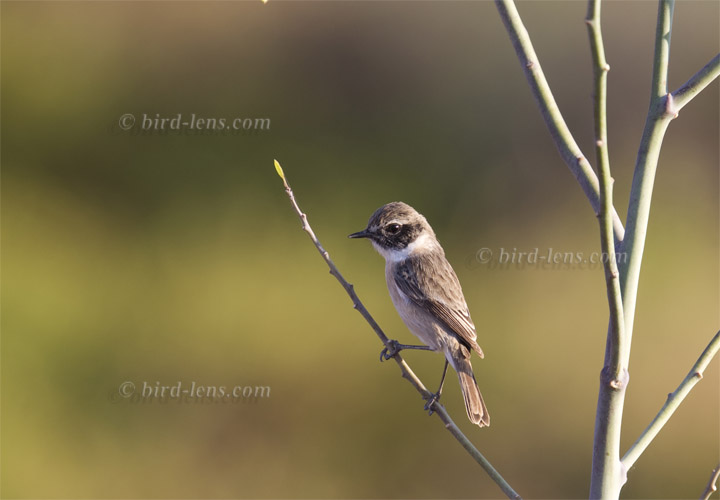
<point>670,109</point>
<point>616,384</point>
<point>529,64</point>
<point>623,471</point>
<point>599,143</point>
<point>711,487</point>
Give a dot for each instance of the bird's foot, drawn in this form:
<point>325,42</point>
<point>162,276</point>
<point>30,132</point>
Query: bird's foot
<point>430,403</point>
<point>393,347</point>
<point>390,350</point>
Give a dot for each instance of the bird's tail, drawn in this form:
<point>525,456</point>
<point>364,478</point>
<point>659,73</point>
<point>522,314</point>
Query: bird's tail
<point>476,410</point>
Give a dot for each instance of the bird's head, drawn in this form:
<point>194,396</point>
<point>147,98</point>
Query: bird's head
<point>397,230</point>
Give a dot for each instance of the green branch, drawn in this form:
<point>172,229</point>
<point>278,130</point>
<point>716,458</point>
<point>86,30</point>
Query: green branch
<point>661,61</point>
<point>600,71</point>
<point>659,116</point>
<point>696,84</point>
<point>673,401</point>
<point>564,141</point>
<point>607,473</point>
<point>407,373</point>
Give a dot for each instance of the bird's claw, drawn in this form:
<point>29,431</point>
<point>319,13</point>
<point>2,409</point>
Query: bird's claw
<point>434,398</point>
<point>389,351</point>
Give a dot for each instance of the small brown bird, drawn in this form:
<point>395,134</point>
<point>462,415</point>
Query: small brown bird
<point>427,294</point>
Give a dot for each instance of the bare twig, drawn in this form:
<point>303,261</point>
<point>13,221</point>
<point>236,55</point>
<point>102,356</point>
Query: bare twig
<point>673,401</point>
<point>659,116</point>
<point>711,486</point>
<point>661,61</point>
<point>607,474</point>
<point>697,83</point>
<point>407,373</point>
<point>564,141</point>
<point>612,277</point>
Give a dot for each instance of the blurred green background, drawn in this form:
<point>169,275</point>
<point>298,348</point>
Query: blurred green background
<point>164,257</point>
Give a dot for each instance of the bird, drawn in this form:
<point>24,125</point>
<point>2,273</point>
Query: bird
<point>427,294</point>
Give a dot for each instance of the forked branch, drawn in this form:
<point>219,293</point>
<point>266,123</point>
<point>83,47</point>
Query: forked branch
<point>607,474</point>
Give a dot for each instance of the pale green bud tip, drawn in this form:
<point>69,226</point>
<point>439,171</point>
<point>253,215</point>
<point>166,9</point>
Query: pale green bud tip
<point>279,170</point>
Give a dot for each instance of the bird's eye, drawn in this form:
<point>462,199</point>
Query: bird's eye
<point>393,228</point>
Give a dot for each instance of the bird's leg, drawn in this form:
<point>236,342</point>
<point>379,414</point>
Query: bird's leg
<point>434,398</point>
<point>393,347</point>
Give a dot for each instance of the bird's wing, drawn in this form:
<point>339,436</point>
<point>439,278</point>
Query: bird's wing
<point>430,282</point>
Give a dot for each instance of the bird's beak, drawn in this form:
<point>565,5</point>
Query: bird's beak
<point>360,234</point>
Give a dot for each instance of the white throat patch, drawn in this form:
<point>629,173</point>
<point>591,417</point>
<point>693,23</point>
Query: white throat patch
<point>421,243</point>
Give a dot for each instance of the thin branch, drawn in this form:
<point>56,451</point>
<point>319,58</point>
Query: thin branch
<point>673,401</point>
<point>607,473</point>
<point>600,71</point>
<point>407,373</point>
<point>697,83</point>
<point>564,141</point>
<point>711,486</point>
<point>658,118</point>
<point>663,30</point>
